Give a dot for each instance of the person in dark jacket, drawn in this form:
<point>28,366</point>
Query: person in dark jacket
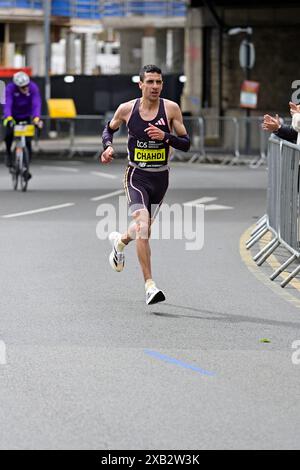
<point>283,131</point>
<point>22,104</point>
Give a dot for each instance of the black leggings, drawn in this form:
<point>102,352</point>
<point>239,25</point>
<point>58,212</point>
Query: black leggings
<point>9,137</point>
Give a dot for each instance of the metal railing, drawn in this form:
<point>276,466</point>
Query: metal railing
<point>33,4</point>
<point>145,7</point>
<point>195,129</point>
<point>223,139</point>
<point>95,9</point>
<point>80,135</point>
<point>283,209</point>
<point>213,139</point>
<point>69,137</point>
<point>77,8</point>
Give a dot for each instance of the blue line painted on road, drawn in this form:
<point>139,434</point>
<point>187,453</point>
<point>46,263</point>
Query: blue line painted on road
<point>172,360</point>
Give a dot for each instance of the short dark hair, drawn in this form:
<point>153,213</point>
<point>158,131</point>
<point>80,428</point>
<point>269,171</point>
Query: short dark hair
<point>149,69</point>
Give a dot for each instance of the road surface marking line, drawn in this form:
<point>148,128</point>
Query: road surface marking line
<point>108,195</point>
<point>202,200</point>
<point>62,168</point>
<point>216,207</point>
<point>207,207</point>
<point>172,360</point>
<point>36,211</point>
<point>257,272</point>
<point>104,175</point>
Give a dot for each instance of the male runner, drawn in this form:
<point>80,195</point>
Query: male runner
<point>150,121</point>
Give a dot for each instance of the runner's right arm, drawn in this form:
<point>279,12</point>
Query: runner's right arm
<point>108,133</point>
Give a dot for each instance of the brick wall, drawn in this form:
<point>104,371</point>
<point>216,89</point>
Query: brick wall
<point>276,67</point>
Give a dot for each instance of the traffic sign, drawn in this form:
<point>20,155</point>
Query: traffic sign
<point>249,92</point>
<point>247,54</point>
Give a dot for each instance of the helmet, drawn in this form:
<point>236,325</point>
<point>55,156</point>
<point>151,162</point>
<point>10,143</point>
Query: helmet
<point>21,79</point>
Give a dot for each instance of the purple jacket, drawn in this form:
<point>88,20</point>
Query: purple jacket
<point>21,106</point>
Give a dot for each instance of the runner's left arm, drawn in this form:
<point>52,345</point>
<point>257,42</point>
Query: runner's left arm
<point>181,141</point>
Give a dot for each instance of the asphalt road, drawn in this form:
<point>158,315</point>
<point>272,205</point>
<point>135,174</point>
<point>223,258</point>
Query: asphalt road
<point>88,365</point>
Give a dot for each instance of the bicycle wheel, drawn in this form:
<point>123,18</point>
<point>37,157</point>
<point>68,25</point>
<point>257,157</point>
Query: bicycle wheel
<point>24,170</point>
<point>16,172</point>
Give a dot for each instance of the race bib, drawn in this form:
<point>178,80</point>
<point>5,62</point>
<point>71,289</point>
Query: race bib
<point>149,155</point>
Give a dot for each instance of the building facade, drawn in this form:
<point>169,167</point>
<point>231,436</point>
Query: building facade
<point>81,31</point>
<point>213,36</point>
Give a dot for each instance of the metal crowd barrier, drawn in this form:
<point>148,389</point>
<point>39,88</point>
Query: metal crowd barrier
<point>67,136</point>
<point>221,138</point>
<point>283,209</point>
<point>226,139</point>
<point>83,134</point>
<point>78,135</point>
<point>195,129</point>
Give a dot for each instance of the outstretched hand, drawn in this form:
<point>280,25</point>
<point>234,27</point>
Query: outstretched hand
<point>271,123</point>
<point>294,108</point>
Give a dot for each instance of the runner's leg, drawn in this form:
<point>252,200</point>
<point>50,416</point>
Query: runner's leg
<point>142,223</point>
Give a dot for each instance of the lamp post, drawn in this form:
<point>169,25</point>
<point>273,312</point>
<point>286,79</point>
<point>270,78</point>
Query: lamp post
<point>47,40</point>
<point>247,60</point>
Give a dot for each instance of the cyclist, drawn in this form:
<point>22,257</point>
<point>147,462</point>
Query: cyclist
<point>150,121</point>
<point>22,104</point>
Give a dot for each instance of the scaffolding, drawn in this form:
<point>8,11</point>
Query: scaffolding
<point>97,9</point>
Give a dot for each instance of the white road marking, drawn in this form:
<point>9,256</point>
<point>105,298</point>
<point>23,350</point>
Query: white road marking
<point>217,207</point>
<point>106,196</point>
<point>104,175</point>
<point>202,200</point>
<point>35,211</point>
<point>62,168</point>
<point>207,207</point>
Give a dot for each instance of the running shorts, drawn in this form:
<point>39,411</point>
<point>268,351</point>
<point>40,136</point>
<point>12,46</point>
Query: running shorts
<point>145,189</point>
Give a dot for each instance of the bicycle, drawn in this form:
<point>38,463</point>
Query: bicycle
<point>21,155</point>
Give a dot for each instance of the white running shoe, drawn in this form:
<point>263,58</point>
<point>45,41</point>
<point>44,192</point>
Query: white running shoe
<point>154,295</point>
<point>116,258</point>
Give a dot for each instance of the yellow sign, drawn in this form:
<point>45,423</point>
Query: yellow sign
<point>61,108</point>
<point>149,155</point>
<point>24,130</point>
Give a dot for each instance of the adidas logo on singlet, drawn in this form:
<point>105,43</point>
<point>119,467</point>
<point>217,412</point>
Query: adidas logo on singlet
<point>160,122</point>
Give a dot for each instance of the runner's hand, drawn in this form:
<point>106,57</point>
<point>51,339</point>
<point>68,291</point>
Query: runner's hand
<point>155,133</point>
<point>107,155</point>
